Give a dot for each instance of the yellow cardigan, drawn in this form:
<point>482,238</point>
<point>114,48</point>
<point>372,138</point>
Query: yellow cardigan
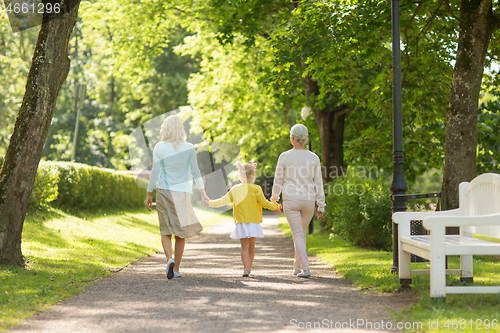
<point>247,200</point>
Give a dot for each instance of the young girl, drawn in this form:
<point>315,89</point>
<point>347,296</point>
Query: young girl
<point>248,200</point>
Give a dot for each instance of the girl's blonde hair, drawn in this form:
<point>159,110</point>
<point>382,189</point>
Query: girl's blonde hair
<point>247,170</point>
<point>172,130</point>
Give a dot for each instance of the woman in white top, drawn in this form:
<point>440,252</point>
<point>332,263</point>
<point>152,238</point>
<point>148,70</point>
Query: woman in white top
<point>174,161</point>
<point>298,177</point>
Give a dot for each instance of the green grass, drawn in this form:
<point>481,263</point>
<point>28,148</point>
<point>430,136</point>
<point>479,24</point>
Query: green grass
<point>67,251</point>
<point>370,270</point>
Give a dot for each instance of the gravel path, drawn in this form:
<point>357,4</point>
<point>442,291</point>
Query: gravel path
<point>213,297</point>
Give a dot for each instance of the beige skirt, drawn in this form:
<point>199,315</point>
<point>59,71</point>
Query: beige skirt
<point>176,215</point>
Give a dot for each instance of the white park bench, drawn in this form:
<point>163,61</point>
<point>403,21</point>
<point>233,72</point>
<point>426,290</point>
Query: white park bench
<point>478,213</point>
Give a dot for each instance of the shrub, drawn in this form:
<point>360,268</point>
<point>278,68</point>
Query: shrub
<point>82,186</point>
<point>359,209</point>
<point>45,189</point>
<point>74,185</point>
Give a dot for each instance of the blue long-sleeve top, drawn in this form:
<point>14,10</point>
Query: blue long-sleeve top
<point>173,168</point>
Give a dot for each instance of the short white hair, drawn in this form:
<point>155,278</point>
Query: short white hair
<point>172,130</point>
<point>299,132</point>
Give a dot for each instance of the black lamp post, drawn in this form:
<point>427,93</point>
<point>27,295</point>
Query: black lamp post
<point>398,181</point>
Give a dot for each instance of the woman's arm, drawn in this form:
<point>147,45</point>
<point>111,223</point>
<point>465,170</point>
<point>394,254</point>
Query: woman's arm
<point>153,179</point>
<point>320,191</point>
<point>195,171</point>
<point>279,176</point>
<point>149,201</point>
<point>155,172</point>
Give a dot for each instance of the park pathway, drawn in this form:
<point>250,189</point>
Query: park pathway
<point>213,297</point>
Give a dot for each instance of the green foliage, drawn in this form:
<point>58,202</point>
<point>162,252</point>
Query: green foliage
<point>85,187</point>
<point>231,100</point>
<point>130,70</point>
<point>488,155</point>
<point>117,101</point>
<point>250,19</point>
<point>15,59</point>
<point>245,66</point>
<point>346,47</point>
<point>359,209</point>
<point>45,189</point>
<point>73,185</point>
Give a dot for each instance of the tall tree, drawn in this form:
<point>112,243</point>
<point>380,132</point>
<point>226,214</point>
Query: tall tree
<point>341,51</point>
<point>49,68</point>
<point>478,22</point>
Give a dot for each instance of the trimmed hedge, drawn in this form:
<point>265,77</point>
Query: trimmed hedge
<point>82,186</point>
<point>45,189</point>
<point>73,185</point>
<point>359,209</point>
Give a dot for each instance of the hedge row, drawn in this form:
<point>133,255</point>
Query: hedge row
<point>359,209</point>
<point>73,185</point>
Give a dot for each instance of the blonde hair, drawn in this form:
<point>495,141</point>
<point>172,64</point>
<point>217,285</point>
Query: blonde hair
<point>172,130</point>
<point>247,170</point>
<point>299,132</point>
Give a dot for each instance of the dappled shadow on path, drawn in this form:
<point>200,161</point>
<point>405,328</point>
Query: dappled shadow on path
<point>212,296</point>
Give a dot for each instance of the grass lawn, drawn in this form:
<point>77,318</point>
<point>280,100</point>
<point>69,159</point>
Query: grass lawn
<point>67,251</point>
<point>368,269</point>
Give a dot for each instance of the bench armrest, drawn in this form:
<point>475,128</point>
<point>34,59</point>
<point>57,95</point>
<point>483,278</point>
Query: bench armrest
<point>406,217</point>
<point>441,222</point>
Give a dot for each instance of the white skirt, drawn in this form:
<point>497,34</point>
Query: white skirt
<point>247,230</point>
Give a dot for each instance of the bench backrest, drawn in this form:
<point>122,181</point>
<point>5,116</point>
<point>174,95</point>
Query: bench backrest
<point>481,197</point>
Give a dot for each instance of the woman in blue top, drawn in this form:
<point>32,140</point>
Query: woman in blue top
<point>174,161</point>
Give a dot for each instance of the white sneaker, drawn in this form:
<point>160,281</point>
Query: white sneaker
<point>170,268</point>
<point>177,275</point>
<point>304,274</point>
<point>296,271</point>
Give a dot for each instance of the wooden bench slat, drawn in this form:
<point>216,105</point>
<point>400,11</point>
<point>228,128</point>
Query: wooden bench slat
<point>455,245</point>
<point>473,290</point>
<point>428,271</point>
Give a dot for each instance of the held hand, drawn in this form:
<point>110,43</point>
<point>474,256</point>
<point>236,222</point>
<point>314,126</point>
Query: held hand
<point>278,211</point>
<point>149,201</point>
<point>320,215</point>
<point>205,199</point>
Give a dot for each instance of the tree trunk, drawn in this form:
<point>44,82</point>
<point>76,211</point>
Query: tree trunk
<point>331,130</point>
<point>49,69</point>
<point>477,23</point>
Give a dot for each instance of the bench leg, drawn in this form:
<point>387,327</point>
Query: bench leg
<point>438,264</point>
<point>404,268</point>
<point>438,277</point>
<point>467,269</point>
